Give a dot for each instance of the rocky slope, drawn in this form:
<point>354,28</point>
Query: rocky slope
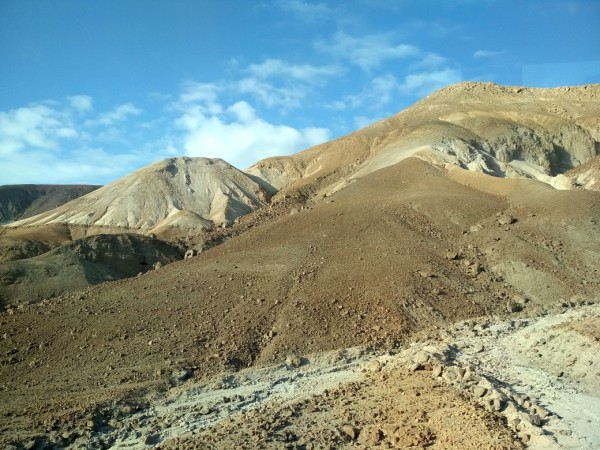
<point>26,200</point>
<point>78,264</point>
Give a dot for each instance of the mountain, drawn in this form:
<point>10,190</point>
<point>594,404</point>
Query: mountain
<point>25,200</point>
<point>422,274</point>
<point>182,193</point>
<point>515,132</point>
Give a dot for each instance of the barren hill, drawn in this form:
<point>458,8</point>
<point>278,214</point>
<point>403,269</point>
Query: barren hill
<point>182,193</point>
<point>26,200</point>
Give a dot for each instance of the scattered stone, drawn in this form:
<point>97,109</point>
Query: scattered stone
<point>535,420</point>
<point>513,306</point>
<point>415,366</point>
<point>190,253</point>
<point>475,269</point>
<point>421,357</point>
<point>30,445</point>
<point>372,366</point>
<point>180,376</point>
<point>205,410</point>
<point>293,361</point>
<point>516,424</point>
<point>542,412</point>
<point>450,255</point>
<point>350,431</point>
<point>152,439</point>
<point>479,391</point>
<point>437,371</point>
<point>505,219</point>
<point>371,437</point>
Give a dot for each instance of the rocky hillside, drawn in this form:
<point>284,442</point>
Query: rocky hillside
<point>81,263</point>
<point>26,200</point>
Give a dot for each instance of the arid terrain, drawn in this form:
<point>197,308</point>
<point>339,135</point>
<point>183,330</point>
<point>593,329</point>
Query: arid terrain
<point>430,281</point>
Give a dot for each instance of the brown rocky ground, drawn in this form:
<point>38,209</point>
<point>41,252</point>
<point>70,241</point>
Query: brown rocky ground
<point>411,248</point>
<point>368,244</point>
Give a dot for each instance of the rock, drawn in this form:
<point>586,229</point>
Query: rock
<point>535,420</point>
<point>350,431</point>
<point>372,437</point>
<point>30,445</point>
<point>415,366</point>
<point>450,376</point>
<point>479,391</point>
<point>437,370</point>
<point>542,412</point>
<point>495,404</point>
<point>372,366</point>
<point>451,255</point>
<point>152,439</point>
<point>205,410</point>
<point>421,357</point>
<point>157,265</point>
<point>293,361</point>
<point>475,269</point>
<point>516,424</point>
<point>190,253</point>
<point>471,375</point>
<point>512,306</point>
<point>181,375</point>
<point>505,219</point>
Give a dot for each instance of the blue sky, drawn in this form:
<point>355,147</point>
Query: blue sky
<point>91,90</point>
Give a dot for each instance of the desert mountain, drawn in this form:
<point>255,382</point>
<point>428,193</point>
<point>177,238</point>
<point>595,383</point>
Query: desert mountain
<point>26,200</point>
<point>537,133</point>
<point>181,193</point>
<point>419,275</point>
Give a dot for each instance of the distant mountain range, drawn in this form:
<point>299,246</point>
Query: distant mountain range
<point>25,200</point>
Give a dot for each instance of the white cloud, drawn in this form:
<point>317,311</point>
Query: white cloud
<point>81,103</point>
<point>367,51</point>
<point>378,93</point>
<point>270,95</point>
<point>240,137</point>
<point>35,126</point>
<point>307,12</point>
<point>119,114</point>
<point>304,72</point>
<point>424,83</point>
<point>48,143</point>
<point>205,93</point>
<point>430,60</point>
<point>77,168</point>
<point>487,53</point>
